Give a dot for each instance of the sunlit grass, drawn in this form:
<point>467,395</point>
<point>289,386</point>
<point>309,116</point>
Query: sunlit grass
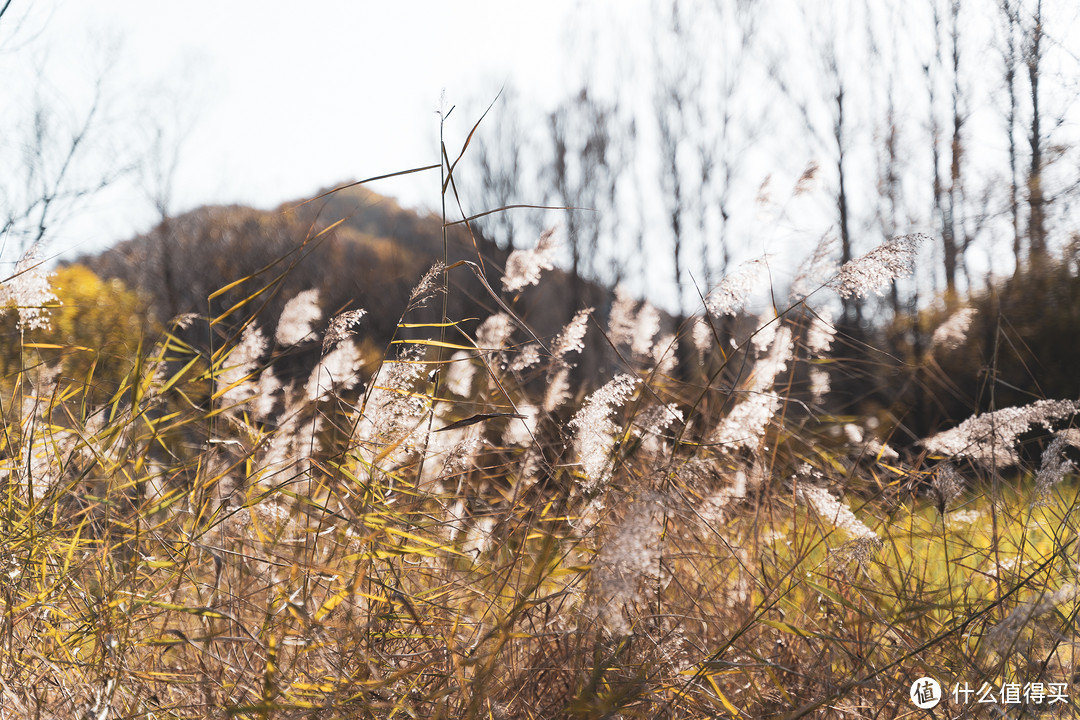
<point>210,538</point>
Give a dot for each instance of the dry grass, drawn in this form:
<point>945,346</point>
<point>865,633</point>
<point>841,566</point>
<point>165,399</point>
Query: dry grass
<point>458,538</point>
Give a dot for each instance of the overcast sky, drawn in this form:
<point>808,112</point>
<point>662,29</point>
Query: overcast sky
<point>268,102</point>
<point>276,102</point>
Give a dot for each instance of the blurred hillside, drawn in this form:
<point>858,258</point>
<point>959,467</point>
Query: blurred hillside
<point>358,248</point>
<point>362,250</point>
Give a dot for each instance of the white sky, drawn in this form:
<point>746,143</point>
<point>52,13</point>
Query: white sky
<point>282,99</point>
<point>279,100</point>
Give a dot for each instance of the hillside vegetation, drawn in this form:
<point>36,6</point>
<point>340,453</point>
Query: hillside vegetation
<point>360,249</point>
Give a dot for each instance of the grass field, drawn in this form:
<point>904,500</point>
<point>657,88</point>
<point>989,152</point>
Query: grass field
<point>460,531</point>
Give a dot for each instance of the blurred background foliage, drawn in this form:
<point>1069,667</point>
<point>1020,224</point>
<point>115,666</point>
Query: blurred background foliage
<point>97,330</point>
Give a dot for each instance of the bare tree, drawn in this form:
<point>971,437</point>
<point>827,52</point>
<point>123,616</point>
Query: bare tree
<point>830,125</point>
<point>887,62</point>
<point>498,166</point>
<point>957,240</point>
<point>948,194</point>
<point>890,187</point>
<point>1032,54</point>
<point>54,162</point>
<point>670,106</point>
<point>732,140</point>
<point>1034,50</point>
<point>837,143</point>
<point>583,175</point>
<point>1010,63</point>
<point>700,51</point>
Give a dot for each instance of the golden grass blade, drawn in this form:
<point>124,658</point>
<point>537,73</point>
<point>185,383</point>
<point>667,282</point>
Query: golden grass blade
<point>465,145</point>
<point>477,216</point>
<point>365,181</point>
<point>434,343</point>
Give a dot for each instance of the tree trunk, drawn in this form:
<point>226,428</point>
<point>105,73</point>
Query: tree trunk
<point>1036,200</point>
